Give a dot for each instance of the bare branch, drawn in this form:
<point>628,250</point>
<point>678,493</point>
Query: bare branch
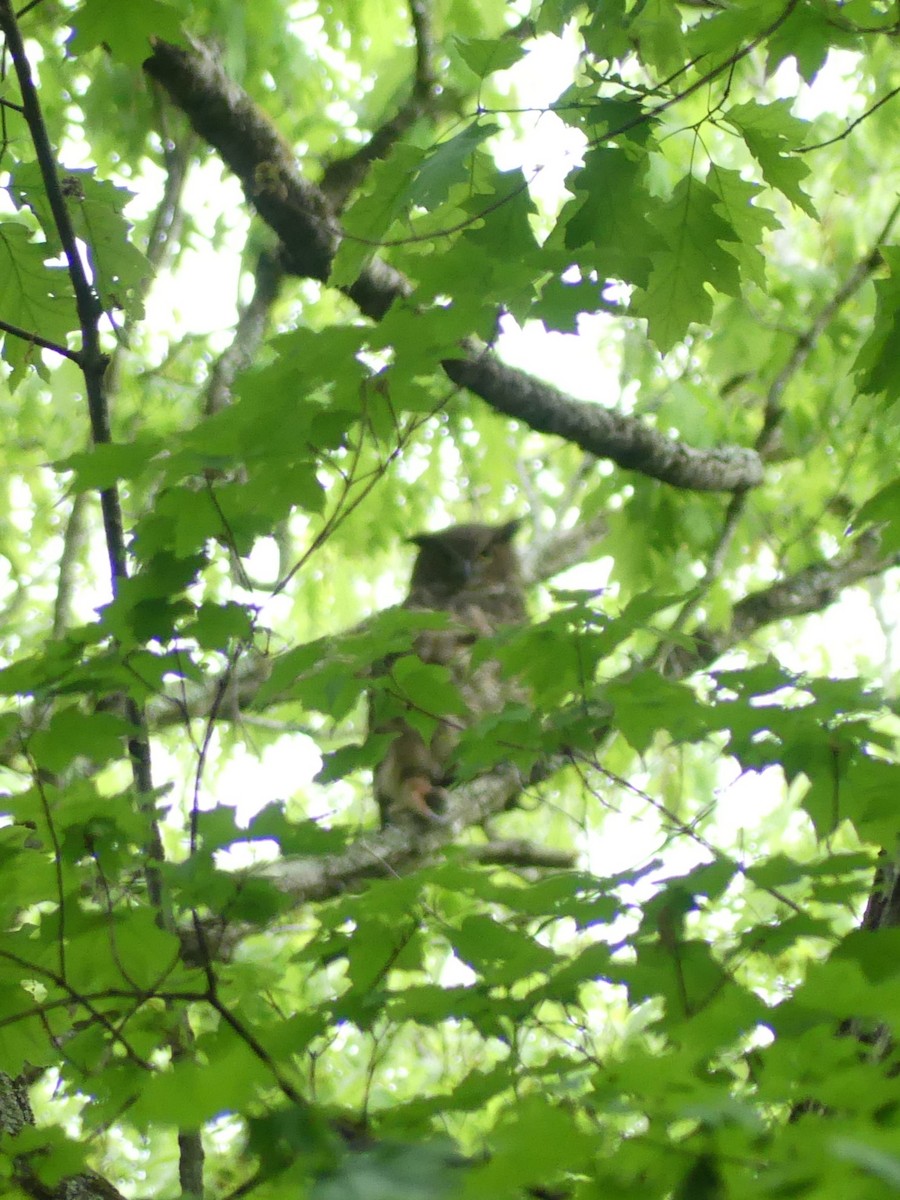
<point>168,218</point>
<point>344,175</point>
<point>73,542</point>
<point>809,590</point>
<point>602,431</point>
<point>29,336</point>
<point>248,335</point>
<point>566,548</point>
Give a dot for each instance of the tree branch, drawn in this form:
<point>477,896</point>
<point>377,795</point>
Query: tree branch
<point>774,410</point>
<point>396,850</point>
<point>805,342</point>
<point>809,590</point>
<point>93,363</point>
<point>36,339</point>
<point>248,335</point>
<point>250,146</point>
<point>15,1115</point>
<point>74,539</point>
<point>305,221</point>
<point>344,175</point>
<point>624,440</point>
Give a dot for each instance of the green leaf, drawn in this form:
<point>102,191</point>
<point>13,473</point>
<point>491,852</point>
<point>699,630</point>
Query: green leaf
<point>485,55</point>
<point>73,734</point>
<point>369,216</point>
<point>693,226</point>
<point>448,164</point>
<point>218,626</point>
<point>648,703</point>
<point>388,1171</point>
<point>103,466</point>
<point>772,135</point>
<point>498,952</point>
<point>656,26</point>
<point>739,206</point>
<point>806,35</point>
<point>119,271</point>
<point>883,509</point>
<point>534,1144</point>
<point>189,1094</point>
<point>877,362</point>
<point>99,22</point>
<point>702,1181</point>
<point>613,215</point>
<point>35,297</point>
<point>426,686</point>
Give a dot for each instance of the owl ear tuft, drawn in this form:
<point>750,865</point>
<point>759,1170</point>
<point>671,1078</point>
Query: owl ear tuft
<point>508,531</point>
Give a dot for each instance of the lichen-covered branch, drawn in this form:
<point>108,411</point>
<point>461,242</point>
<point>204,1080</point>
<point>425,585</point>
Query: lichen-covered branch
<point>16,1115</point>
<point>603,432</point>
<point>394,850</point>
<point>250,146</point>
<point>809,590</point>
<point>306,222</point>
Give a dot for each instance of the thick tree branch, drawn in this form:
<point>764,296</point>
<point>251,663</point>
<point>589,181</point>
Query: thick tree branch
<point>395,850</point>
<point>305,221</point>
<point>625,440</point>
<point>390,851</point>
<point>250,146</point>
<point>15,1115</point>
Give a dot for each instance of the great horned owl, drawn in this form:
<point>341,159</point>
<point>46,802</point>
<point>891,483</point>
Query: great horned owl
<point>471,572</point>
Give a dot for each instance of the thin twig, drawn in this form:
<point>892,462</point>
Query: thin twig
<point>45,343</point>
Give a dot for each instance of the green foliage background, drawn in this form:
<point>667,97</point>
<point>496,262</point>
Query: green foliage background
<point>671,969</point>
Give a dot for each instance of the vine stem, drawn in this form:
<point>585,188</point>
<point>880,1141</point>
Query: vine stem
<point>93,362</point>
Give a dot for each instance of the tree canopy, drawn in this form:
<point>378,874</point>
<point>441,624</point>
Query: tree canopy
<point>284,285</point>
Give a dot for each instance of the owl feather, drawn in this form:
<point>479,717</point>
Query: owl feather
<point>472,573</point>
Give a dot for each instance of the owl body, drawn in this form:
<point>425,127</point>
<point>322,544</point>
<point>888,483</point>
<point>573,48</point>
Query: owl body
<point>472,573</point>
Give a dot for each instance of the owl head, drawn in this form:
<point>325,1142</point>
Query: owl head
<point>471,562</point>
